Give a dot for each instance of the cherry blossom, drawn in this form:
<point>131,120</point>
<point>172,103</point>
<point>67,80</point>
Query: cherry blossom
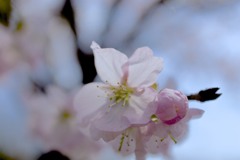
<point>126,90</point>
<point>171,106</point>
<point>114,108</point>
<point>125,109</point>
<point>169,121</point>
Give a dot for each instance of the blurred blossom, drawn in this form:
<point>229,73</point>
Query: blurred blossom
<point>31,9</point>
<point>15,140</point>
<point>126,17</point>
<point>28,54</point>
<point>52,119</point>
<point>61,55</point>
<point>91,21</point>
<point>9,56</point>
<point>53,47</point>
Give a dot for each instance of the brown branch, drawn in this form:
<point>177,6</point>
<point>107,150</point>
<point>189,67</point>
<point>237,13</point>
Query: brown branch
<point>205,95</point>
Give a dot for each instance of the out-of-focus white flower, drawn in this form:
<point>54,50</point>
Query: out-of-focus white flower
<point>53,50</point>
<point>125,19</point>
<point>52,119</point>
<point>61,55</point>
<point>91,21</point>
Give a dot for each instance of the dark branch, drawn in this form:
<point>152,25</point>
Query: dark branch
<point>37,87</point>
<point>68,13</point>
<point>86,61</point>
<point>205,95</point>
<point>162,1</point>
<point>53,155</point>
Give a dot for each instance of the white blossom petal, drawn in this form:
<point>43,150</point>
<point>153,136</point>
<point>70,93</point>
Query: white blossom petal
<point>109,63</point>
<point>155,145</point>
<point>89,100</point>
<point>96,134</point>
<point>125,143</point>
<point>143,68</point>
<point>138,105</point>
<point>179,130</point>
<point>193,113</point>
<point>113,120</point>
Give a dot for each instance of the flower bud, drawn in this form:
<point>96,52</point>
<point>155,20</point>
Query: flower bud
<point>172,106</point>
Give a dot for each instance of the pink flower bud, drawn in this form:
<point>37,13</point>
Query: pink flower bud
<point>172,106</point>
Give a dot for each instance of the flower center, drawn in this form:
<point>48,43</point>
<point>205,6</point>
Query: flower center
<point>119,94</point>
<point>65,116</point>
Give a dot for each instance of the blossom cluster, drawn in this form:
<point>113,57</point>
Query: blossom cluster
<point>126,109</point>
<point>40,71</point>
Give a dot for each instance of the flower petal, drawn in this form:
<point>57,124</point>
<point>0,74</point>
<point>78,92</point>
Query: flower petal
<point>109,63</point>
<point>113,121</point>
<point>125,143</point>
<point>144,68</point>
<point>194,113</point>
<point>89,100</point>
<point>96,134</point>
<point>141,54</point>
<point>172,106</point>
<point>155,145</point>
<point>138,104</point>
<point>179,130</point>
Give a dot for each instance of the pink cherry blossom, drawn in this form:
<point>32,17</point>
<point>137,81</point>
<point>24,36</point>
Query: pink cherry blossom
<point>161,136</point>
<point>171,106</point>
<point>115,108</point>
<point>120,100</point>
<point>128,141</point>
<point>169,121</point>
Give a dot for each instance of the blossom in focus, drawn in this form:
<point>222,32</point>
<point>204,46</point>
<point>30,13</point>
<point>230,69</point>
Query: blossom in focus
<point>169,121</point>
<point>171,106</point>
<point>52,119</point>
<point>120,100</point>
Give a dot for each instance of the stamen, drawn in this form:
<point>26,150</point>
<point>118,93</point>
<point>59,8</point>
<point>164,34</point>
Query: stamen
<point>162,139</point>
<point>173,139</point>
<point>121,142</point>
<point>128,140</point>
<point>117,94</point>
<point>65,116</point>
<point>154,86</point>
<point>154,118</point>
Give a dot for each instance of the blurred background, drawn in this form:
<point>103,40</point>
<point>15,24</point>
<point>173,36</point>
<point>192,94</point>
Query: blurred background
<point>47,42</point>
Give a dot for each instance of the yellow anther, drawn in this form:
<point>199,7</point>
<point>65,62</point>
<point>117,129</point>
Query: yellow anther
<point>65,115</point>
<point>154,118</point>
<point>119,94</point>
<point>154,86</point>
